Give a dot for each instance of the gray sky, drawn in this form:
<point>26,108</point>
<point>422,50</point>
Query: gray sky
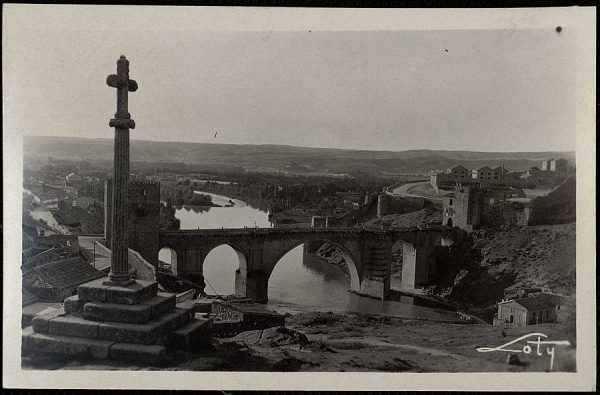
<point>488,90</point>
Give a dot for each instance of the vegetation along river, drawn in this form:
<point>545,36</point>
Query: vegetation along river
<point>299,282</point>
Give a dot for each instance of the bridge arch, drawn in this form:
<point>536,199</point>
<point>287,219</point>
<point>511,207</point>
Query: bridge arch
<point>351,261</point>
<point>175,255</point>
<point>242,254</point>
<point>443,240</point>
<point>221,275</point>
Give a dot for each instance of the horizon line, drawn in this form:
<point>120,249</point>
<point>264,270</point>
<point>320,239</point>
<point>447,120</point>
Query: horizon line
<point>305,147</point>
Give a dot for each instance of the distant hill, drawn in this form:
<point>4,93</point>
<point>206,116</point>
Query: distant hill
<point>276,157</point>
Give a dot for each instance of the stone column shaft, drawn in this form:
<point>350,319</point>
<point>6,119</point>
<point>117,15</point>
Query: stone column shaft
<point>119,268</point>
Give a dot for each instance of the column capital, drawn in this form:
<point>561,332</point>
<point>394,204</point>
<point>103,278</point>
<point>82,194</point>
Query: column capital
<point>122,123</point>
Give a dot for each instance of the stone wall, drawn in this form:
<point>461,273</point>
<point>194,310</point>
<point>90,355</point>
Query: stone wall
<point>141,269</point>
<point>40,258</point>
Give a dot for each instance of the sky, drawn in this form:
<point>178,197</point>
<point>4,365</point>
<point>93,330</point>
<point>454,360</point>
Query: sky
<point>480,90</point>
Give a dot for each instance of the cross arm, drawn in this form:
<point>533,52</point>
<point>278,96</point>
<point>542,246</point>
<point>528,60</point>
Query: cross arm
<point>116,81</point>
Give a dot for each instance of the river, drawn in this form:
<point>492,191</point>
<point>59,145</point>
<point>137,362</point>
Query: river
<point>296,284</point>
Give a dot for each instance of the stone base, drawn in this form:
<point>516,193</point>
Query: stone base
<point>134,323</point>
<point>81,348</point>
<point>119,283</point>
<point>97,291</point>
<point>379,289</point>
<point>141,313</point>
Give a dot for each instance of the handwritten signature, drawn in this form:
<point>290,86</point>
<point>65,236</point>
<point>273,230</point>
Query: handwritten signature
<point>527,347</point>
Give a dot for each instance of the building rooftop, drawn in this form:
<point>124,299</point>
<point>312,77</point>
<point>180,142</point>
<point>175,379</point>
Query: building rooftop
<point>62,274</point>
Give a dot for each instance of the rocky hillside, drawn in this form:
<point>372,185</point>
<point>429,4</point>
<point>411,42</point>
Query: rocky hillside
<point>508,262</point>
<point>332,255</point>
<point>538,257</point>
<point>558,207</point>
<point>492,264</point>
<point>428,215</point>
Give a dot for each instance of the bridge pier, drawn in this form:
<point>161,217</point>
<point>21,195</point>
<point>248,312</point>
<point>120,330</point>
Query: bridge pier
<point>240,282</point>
<point>257,286</point>
<point>418,263</point>
<point>189,265</point>
<point>253,285</point>
<point>376,288</point>
<point>377,260</point>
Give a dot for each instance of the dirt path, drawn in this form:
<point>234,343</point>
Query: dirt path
<point>411,190</point>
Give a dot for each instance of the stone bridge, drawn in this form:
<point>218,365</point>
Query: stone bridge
<point>368,254</point>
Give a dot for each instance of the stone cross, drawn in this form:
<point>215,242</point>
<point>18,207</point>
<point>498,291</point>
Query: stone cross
<point>122,122</point>
<point>124,85</point>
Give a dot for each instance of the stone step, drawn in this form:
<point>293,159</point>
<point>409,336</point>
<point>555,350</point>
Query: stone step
<point>197,332</point>
<point>40,322</point>
<point>138,353</point>
<point>198,306</point>
<point>73,347</point>
<point>73,305</point>
<point>64,345</point>
<point>150,333</point>
<point>70,325</point>
<point>147,310</point>
<point>99,292</point>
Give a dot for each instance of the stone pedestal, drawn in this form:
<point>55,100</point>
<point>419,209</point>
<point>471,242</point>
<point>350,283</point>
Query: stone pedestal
<point>134,323</point>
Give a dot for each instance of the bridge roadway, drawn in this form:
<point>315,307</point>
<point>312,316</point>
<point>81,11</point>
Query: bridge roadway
<point>304,231</point>
<point>367,252</point>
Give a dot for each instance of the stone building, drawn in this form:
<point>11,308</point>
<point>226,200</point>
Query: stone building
<point>555,164</point>
<point>455,175</point>
<point>462,208</point>
<point>560,167</point>
<point>528,311</point>
<point>459,173</point>
<point>484,173</point>
<point>472,206</point>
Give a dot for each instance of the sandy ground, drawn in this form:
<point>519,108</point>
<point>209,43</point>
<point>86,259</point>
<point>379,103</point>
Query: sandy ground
<point>328,342</point>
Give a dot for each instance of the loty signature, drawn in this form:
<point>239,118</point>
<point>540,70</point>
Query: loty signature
<point>527,349</point>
